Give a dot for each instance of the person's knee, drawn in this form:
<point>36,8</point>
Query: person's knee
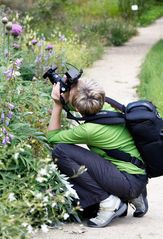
<point>57,151</point>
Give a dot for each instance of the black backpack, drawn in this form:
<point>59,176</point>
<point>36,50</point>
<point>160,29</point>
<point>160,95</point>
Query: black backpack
<point>146,127</point>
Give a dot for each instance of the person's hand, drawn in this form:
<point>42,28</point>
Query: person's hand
<point>56,93</point>
<point>56,96</point>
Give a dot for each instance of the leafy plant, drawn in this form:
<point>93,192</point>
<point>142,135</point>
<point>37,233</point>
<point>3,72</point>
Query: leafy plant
<point>33,193</point>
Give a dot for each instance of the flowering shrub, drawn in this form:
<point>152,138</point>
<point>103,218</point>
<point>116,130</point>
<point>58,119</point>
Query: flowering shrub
<point>33,193</point>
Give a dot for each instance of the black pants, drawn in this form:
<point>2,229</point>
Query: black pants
<point>100,180</point>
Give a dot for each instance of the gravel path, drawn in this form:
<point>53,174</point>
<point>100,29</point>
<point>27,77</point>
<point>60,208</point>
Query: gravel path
<point>118,72</point>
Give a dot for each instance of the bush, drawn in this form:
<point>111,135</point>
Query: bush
<point>33,193</point>
<point>120,32</point>
<point>114,31</point>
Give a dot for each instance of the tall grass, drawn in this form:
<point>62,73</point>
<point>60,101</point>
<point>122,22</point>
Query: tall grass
<point>151,76</point>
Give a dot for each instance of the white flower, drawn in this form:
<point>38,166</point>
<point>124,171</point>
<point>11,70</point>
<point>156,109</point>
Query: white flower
<point>44,228</point>
<point>29,229</point>
<point>39,195</point>
<point>72,191</point>
<point>54,204</point>
<point>16,156</point>
<point>65,216</point>
<point>24,224</point>
<point>11,197</point>
<point>32,210</point>
<point>134,7</point>
<point>53,167</point>
<point>40,179</point>
<point>67,193</point>
<point>17,73</point>
<point>45,199</point>
<point>28,146</point>
<point>43,172</point>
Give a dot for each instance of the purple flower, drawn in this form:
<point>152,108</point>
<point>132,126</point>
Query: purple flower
<point>16,30</point>
<point>18,63</point>
<point>4,130</point>
<point>40,43</point>
<point>6,140</point>
<point>49,47</point>
<point>10,106</point>
<point>62,38</point>
<point>2,116</point>
<point>9,73</point>
<point>11,136</point>
<point>10,114</point>
<point>38,58</point>
<point>16,46</point>
<point>7,122</point>
<point>34,42</point>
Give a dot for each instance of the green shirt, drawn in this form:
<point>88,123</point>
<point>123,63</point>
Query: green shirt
<point>99,137</point>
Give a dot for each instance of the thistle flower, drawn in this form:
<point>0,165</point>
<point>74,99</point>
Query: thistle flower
<point>9,26</point>
<point>34,42</point>
<point>16,30</point>
<point>4,20</point>
<point>49,47</point>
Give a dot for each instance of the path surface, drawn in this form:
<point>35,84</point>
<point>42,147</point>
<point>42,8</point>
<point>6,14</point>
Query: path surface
<point>118,72</point>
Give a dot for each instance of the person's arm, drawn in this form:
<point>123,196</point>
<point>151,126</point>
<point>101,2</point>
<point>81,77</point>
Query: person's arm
<point>55,120</point>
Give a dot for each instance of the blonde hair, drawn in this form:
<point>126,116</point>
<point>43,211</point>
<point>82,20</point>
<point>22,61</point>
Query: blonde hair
<point>89,97</point>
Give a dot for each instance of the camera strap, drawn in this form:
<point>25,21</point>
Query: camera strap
<point>108,117</point>
<point>67,109</point>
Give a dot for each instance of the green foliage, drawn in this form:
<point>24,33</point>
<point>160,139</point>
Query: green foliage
<point>114,31</point>
<point>33,193</point>
<point>151,14</point>
<point>151,76</point>
<point>120,32</point>
<point>90,22</point>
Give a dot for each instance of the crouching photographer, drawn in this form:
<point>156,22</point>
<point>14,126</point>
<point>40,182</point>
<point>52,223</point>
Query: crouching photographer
<point>108,182</point>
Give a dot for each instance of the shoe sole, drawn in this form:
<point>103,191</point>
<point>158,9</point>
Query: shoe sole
<point>118,213</point>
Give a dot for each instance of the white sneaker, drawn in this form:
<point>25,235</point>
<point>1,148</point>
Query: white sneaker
<point>110,208</point>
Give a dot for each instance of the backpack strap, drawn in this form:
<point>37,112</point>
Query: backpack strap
<point>121,155</point>
<point>115,104</point>
<point>108,117</point>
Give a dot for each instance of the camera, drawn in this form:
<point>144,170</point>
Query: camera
<point>70,77</point>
